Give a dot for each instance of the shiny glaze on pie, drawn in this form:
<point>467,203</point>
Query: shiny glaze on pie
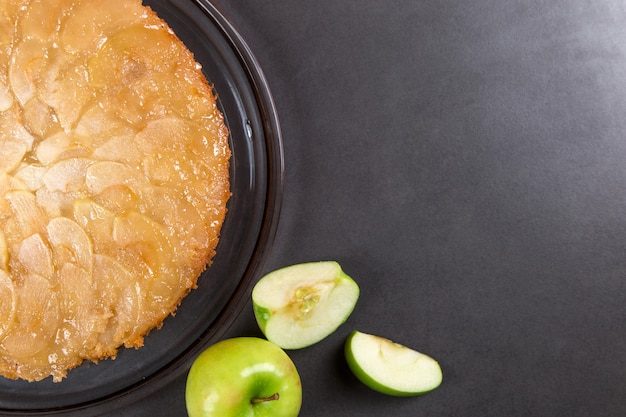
<point>113,180</point>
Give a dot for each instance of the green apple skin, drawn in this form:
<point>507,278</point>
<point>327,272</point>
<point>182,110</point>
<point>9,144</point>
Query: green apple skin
<point>390,368</point>
<point>243,377</point>
<point>299,305</point>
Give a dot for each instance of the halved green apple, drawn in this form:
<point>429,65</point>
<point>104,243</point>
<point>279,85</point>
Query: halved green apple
<point>391,368</point>
<point>299,305</point>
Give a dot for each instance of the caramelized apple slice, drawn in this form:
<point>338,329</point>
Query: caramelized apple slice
<point>67,75</point>
<point>30,175</point>
<point>36,256</point>
<point>97,221</point>
<point>4,253</point>
<point>59,146</point>
<point>54,203</point>
<point>6,98</point>
<point>118,198</point>
<point>11,9</point>
<point>28,60</point>
<point>67,175</point>
<point>135,231</point>
<point>93,21</point>
<point>6,25</point>
<point>70,242</point>
<point>146,240</point>
<point>7,183</point>
<point>49,150</point>
<point>179,216</point>
<point>11,154</point>
<point>131,54</point>
<point>40,18</point>
<point>86,211</point>
<point>27,68</point>
<point>37,312</point>
<point>30,217</point>
<point>7,307</point>
<point>83,318</point>
<point>39,118</point>
<point>97,125</point>
<point>127,68</point>
<point>104,174</point>
<point>12,127</point>
<point>121,294</point>
<point>120,147</point>
<point>6,34</point>
<point>165,134</point>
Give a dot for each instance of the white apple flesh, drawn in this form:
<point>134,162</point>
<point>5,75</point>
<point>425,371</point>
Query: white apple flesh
<point>299,305</point>
<point>391,368</point>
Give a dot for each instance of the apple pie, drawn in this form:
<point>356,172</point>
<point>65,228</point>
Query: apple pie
<point>114,162</point>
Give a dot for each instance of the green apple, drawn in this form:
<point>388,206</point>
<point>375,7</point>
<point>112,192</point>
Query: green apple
<point>301,304</point>
<point>243,377</point>
<point>391,368</point>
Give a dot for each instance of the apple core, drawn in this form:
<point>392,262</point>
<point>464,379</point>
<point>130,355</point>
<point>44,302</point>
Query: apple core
<point>299,305</point>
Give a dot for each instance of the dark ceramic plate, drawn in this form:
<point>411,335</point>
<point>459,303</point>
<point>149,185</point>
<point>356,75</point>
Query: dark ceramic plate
<point>247,235</point>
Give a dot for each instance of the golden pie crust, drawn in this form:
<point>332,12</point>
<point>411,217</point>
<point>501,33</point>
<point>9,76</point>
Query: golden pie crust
<point>113,180</point>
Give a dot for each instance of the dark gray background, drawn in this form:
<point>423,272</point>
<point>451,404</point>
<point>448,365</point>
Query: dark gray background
<point>465,161</point>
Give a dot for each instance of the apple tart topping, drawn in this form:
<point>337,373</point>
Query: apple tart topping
<point>113,180</point>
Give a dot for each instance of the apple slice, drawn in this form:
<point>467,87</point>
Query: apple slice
<point>52,148</point>
<point>7,309</point>
<point>30,216</point>
<point>391,368</point>
<point>11,154</point>
<point>36,256</point>
<point>67,175</point>
<point>4,253</point>
<point>30,175</point>
<point>299,305</point>
<point>28,60</point>
<point>104,174</point>
<point>70,242</point>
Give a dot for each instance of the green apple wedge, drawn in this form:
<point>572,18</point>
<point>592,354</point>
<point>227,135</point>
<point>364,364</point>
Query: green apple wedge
<point>391,368</point>
<point>243,377</point>
<point>299,305</point>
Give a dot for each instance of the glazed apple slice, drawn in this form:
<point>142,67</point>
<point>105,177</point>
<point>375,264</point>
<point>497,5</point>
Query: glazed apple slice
<point>300,305</point>
<point>4,252</point>
<point>70,242</point>
<point>7,310</point>
<point>26,65</point>
<point>66,175</point>
<point>35,255</point>
<point>391,368</point>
